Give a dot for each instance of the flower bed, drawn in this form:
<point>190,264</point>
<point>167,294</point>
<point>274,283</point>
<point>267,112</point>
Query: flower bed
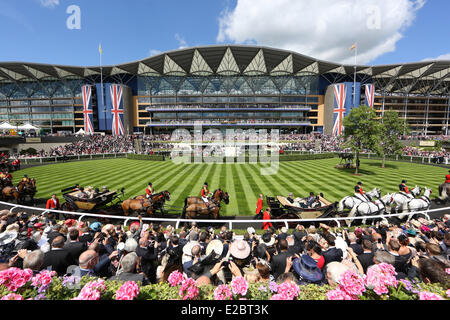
<point>379,284</point>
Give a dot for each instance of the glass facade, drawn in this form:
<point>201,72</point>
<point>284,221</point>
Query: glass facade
<point>248,101</point>
<point>48,104</point>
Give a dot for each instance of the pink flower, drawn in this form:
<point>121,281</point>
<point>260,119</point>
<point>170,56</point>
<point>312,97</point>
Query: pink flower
<point>175,278</point>
<point>43,279</point>
<point>425,295</point>
<point>289,290</point>
<point>278,296</point>
<point>447,270</point>
<point>15,278</point>
<point>12,296</point>
<point>128,291</point>
<point>223,292</point>
<point>339,294</point>
<point>352,283</point>
<point>448,293</point>
<point>380,277</point>
<point>188,289</point>
<point>92,290</point>
<point>239,286</point>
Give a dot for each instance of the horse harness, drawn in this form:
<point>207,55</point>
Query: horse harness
<point>370,209</point>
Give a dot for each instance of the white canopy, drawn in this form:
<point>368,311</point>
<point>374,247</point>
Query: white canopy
<point>27,127</point>
<point>6,126</point>
<point>81,131</point>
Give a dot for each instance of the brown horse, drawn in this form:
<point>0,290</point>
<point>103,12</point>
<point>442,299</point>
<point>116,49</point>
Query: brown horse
<point>11,193</point>
<point>27,189</point>
<point>202,208</point>
<point>140,203</point>
<point>444,192</point>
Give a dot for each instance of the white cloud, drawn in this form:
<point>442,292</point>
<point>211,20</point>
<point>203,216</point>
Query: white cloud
<point>181,42</point>
<point>441,57</point>
<point>323,29</point>
<point>49,3</point>
<point>154,52</point>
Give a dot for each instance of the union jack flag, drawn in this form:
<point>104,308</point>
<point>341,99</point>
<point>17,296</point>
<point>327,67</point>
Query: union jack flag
<point>370,95</point>
<point>88,113</point>
<point>117,110</point>
<point>340,94</point>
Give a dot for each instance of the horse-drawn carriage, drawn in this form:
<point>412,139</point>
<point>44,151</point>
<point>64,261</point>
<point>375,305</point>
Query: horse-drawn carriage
<point>281,208</point>
<point>108,201</point>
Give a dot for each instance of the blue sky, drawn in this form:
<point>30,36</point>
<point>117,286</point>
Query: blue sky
<point>36,31</point>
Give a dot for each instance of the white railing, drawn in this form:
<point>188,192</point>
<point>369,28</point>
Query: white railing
<point>31,160</point>
<point>229,222</point>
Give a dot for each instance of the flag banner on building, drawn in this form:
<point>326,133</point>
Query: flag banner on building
<point>88,113</point>
<point>340,96</point>
<point>117,109</point>
<point>370,95</point>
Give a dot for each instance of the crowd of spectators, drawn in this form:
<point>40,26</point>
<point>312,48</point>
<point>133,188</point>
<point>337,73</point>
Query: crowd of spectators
<point>149,253</point>
<point>149,144</point>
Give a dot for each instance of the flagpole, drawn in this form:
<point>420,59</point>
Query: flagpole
<point>354,78</point>
<point>101,82</point>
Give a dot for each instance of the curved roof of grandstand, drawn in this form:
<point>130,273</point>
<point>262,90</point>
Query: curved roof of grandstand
<point>426,77</point>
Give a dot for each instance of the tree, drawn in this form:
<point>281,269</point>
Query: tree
<point>361,131</point>
<point>392,127</point>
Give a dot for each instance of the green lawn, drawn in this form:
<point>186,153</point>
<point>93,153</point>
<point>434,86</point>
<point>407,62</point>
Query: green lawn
<point>243,182</point>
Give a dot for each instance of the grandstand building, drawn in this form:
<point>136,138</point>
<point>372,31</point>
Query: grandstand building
<point>222,86</point>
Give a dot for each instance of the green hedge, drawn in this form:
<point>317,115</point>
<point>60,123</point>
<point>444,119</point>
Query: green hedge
<point>145,157</point>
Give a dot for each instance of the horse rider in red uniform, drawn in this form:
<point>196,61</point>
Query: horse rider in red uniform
<point>205,193</point>
<point>149,190</point>
<point>259,206</point>
<point>447,177</point>
<point>266,216</point>
<point>52,203</point>
<point>360,194</point>
<point>8,175</point>
<point>404,189</point>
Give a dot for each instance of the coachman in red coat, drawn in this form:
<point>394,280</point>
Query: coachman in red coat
<point>52,203</point>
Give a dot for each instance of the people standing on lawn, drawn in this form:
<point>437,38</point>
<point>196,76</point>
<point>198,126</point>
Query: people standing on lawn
<point>259,207</point>
<point>267,216</point>
<point>52,203</point>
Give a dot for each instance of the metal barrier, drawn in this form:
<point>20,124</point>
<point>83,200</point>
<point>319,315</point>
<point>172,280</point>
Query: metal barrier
<point>229,222</point>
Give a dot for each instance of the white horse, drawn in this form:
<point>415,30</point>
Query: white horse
<point>370,208</point>
<point>350,202</point>
<point>417,204</point>
<point>400,199</point>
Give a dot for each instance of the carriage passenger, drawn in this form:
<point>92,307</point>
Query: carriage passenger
<point>82,194</point>
<point>310,200</point>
